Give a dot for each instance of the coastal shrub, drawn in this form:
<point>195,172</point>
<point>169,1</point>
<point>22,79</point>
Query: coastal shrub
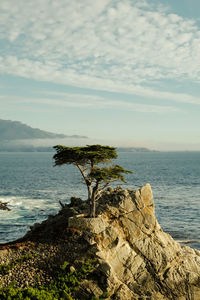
<point>63,286</point>
<point>12,293</point>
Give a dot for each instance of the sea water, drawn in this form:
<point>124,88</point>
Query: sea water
<point>33,187</point>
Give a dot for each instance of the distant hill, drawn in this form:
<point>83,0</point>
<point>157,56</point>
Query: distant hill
<point>14,130</point>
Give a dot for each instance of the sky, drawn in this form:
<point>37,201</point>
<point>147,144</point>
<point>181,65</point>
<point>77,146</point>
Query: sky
<point>123,73</point>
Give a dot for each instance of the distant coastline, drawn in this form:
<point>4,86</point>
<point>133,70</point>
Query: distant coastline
<point>26,149</point>
<point>135,149</point>
<point>30,148</point>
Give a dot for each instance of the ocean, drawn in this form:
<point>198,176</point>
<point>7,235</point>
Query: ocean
<point>32,186</point>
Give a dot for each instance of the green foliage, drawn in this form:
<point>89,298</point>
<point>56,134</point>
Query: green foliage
<point>90,154</point>
<point>60,288</point>
<point>13,293</point>
<point>109,174</point>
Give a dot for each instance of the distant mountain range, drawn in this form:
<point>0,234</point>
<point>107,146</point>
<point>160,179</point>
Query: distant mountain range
<point>18,137</point>
<point>14,130</point>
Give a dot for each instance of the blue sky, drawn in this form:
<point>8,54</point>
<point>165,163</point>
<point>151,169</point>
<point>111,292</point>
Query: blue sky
<point>121,72</point>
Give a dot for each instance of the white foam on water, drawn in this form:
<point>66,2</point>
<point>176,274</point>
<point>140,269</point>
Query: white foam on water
<point>28,203</point>
<point>8,216</point>
<point>45,191</point>
<point>24,210</point>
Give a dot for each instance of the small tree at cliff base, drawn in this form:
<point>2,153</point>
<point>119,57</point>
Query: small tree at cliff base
<point>86,160</point>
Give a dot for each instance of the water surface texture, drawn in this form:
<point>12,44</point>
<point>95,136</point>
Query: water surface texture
<point>33,187</point>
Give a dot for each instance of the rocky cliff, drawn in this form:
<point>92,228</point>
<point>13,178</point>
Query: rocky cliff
<point>134,258</point>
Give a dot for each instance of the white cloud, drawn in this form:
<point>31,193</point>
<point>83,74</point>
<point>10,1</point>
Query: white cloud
<point>107,45</point>
<point>49,72</point>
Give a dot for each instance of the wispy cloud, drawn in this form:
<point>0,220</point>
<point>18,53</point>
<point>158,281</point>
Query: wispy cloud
<point>107,45</point>
<point>89,102</point>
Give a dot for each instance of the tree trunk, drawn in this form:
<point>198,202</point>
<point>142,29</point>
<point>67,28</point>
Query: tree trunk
<point>90,199</point>
<point>93,200</point>
<point>92,207</point>
<point>89,187</point>
<point>91,191</point>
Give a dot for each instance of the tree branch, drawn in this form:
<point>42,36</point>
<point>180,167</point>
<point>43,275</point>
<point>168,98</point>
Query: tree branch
<point>83,174</point>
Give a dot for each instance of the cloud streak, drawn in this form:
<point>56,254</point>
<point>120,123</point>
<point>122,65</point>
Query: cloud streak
<point>88,102</point>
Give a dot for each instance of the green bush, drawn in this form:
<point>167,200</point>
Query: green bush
<point>62,287</point>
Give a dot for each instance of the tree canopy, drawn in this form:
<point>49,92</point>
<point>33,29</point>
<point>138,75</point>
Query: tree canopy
<point>91,154</point>
<point>86,159</point>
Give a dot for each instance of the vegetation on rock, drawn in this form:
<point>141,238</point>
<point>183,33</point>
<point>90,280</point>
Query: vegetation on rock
<point>86,160</point>
<point>63,286</point>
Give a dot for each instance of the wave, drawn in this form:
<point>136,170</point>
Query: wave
<point>28,203</point>
<point>187,242</point>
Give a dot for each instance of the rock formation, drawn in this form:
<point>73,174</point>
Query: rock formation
<point>135,258</point>
<point>3,206</point>
<point>138,258</point>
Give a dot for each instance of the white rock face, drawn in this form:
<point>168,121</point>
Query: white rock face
<point>139,260</point>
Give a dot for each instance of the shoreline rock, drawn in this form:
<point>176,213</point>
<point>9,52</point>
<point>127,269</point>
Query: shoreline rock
<point>4,206</point>
<point>135,258</point>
